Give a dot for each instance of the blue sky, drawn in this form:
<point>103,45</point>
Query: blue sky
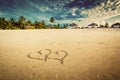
<point>64,11</point>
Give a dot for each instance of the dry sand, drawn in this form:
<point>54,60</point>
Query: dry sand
<point>93,54</point>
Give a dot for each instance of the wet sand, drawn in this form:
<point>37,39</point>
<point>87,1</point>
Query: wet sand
<point>92,54</point>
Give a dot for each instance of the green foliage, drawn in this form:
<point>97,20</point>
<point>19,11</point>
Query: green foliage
<point>57,26</point>
<point>29,23</point>
<point>23,23</point>
<point>65,26</point>
<point>40,25</point>
<point>106,25</point>
<point>43,25</point>
<point>52,19</point>
<point>3,23</point>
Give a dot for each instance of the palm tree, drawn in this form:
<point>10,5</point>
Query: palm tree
<point>65,26</point>
<point>43,25</point>
<point>58,26</point>
<point>51,19</point>
<point>22,22</point>
<point>3,23</point>
<point>29,23</point>
<point>43,22</point>
<point>36,24</point>
<point>106,25</point>
<point>12,20</point>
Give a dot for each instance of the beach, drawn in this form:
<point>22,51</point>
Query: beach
<point>87,54</point>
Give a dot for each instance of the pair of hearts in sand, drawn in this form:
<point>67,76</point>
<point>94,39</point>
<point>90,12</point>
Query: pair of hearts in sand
<point>46,54</point>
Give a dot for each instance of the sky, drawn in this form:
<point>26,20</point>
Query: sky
<point>82,12</point>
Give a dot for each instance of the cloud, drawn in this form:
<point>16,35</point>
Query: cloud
<point>40,8</point>
<point>73,14</point>
<point>64,21</point>
<point>113,19</point>
<point>99,13</point>
<point>73,11</point>
<point>82,12</point>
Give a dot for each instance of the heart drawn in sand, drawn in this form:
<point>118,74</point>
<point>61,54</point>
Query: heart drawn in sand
<point>45,54</point>
<point>58,55</point>
<point>40,55</point>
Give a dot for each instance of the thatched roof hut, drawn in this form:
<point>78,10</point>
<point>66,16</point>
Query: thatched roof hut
<point>116,25</point>
<point>93,25</point>
<point>73,24</point>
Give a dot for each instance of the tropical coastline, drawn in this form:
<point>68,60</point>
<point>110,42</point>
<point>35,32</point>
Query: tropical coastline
<point>59,39</point>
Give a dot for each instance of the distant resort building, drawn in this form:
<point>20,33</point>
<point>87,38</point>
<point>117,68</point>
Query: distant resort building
<point>116,25</point>
<point>93,25</point>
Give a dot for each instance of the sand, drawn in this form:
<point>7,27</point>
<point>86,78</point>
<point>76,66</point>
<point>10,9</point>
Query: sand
<point>93,54</point>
